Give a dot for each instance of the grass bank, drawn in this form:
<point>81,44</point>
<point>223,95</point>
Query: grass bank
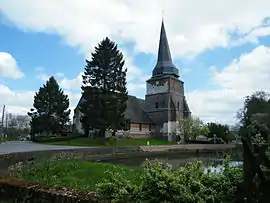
<point>72,173</point>
<point>126,142</point>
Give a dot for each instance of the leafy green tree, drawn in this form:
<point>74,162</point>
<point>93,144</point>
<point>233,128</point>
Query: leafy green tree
<point>254,129</point>
<point>18,121</point>
<point>204,130</point>
<point>51,109</point>
<point>255,115</point>
<point>190,127</point>
<point>221,131</point>
<point>104,89</point>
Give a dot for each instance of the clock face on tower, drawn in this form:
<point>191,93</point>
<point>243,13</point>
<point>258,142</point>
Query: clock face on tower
<point>156,88</point>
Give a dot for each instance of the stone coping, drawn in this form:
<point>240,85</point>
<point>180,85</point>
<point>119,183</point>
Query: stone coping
<point>19,189</point>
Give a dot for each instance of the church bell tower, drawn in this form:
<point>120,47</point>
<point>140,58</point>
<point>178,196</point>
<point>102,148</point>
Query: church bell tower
<point>165,101</point>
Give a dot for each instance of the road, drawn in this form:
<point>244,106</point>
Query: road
<point>25,146</point>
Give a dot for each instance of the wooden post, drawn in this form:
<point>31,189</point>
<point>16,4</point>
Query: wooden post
<point>251,168</point>
<point>248,171</point>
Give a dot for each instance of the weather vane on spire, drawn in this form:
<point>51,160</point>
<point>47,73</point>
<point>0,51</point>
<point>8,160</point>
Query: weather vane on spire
<point>162,14</point>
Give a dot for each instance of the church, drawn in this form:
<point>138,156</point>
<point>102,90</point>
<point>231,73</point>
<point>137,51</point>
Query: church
<point>164,102</point>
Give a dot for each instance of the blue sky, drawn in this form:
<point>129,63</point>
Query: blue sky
<point>35,51</point>
<point>220,60</point>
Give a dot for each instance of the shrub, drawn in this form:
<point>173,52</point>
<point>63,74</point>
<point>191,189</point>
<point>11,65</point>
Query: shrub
<point>159,183</point>
<point>43,139</point>
<point>110,140</point>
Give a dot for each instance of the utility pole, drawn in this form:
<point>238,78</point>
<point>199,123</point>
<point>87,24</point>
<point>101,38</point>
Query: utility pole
<point>2,125</point>
<point>6,132</point>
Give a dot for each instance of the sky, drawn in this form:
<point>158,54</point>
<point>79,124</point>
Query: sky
<point>221,48</point>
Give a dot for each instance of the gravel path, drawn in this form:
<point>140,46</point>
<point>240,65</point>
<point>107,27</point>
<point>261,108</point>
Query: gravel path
<point>188,147</point>
<point>25,146</point>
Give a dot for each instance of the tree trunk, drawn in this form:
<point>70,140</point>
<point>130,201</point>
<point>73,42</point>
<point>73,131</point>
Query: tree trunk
<point>86,131</point>
<point>114,132</point>
<point>102,132</point>
<point>248,173</point>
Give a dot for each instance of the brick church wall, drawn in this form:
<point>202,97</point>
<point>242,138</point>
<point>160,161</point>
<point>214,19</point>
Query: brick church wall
<point>139,130</point>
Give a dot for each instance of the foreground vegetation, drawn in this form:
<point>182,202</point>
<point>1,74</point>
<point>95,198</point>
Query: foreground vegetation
<point>154,183</point>
<point>72,173</point>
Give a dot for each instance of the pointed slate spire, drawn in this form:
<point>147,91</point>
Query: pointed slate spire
<point>164,64</point>
<point>164,53</point>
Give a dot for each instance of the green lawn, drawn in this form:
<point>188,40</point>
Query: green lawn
<point>75,174</point>
<point>112,142</point>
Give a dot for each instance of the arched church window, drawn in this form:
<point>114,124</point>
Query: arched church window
<point>156,104</point>
<point>178,106</point>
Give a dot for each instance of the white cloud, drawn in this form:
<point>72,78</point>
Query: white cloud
<point>43,76</point>
<point>9,67</point>
<point>185,70</point>
<point>135,86</point>
<point>73,100</point>
<point>60,75</point>
<point>136,77</point>
<point>243,76</point>
<point>253,36</point>
<point>249,73</point>
<point>193,26</point>
<point>71,84</point>
<point>20,102</point>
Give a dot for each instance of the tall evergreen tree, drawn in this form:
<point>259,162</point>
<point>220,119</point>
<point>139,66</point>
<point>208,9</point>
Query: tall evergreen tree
<point>51,109</point>
<point>104,89</point>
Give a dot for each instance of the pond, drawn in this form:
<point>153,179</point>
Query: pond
<point>213,162</point>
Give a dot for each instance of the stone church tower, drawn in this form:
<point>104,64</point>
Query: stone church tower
<point>165,101</point>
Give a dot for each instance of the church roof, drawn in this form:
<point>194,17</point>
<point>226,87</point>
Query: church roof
<point>134,111</point>
<point>164,64</point>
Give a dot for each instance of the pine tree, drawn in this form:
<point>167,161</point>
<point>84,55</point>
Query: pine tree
<point>51,109</point>
<point>104,89</point>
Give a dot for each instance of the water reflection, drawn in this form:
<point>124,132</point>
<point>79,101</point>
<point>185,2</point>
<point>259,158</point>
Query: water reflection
<point>210,162</point>
<point>219,168</point>
<point>211,165</point>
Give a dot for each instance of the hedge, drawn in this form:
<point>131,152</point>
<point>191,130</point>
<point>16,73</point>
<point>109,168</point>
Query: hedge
<point>28,191</point>
<point>199,142</point>
<point>53,138</point>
